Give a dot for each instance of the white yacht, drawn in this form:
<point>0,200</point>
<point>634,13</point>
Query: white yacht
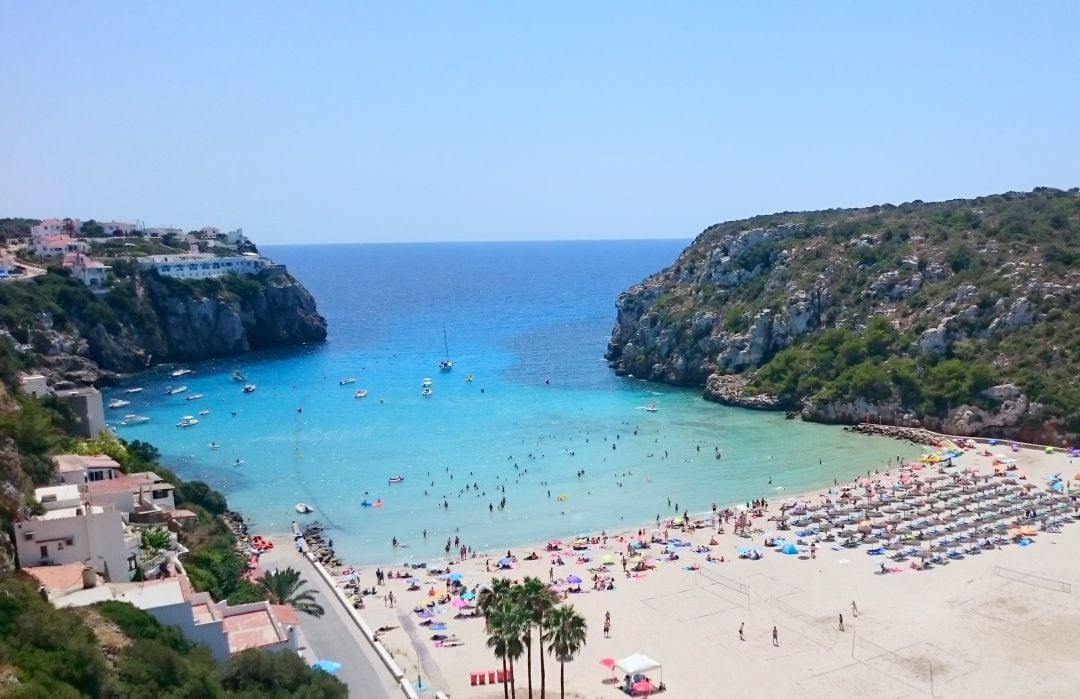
<point>134,419</point>
<point>194,396</point>
<point>182,372</point>
<point>187,421</point>
<point>118,403</point>
<point>171,391</point>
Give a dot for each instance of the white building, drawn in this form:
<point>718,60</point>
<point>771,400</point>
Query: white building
<point>93,273</point>
<point>224,629</point>
<point>34,385</point>
<point>136,493</point>
<point>75,531</point>
<point>203,265</point>
<point>119,228</point>
<point>162,231</point>
<point>77,469</point>
<point>57,245</point>
<point>55,226</point>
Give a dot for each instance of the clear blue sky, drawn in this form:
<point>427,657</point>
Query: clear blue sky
<point>323,122</point>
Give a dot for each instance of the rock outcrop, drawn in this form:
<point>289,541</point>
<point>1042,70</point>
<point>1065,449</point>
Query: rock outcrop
<point>951,285</point>
<point>156,320</point>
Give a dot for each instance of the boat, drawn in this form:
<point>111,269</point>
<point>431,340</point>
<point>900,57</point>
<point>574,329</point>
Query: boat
<point>214,445</point>
<point>133,389</point>
<point>396,479</point>
<point>194,396</point>
<point>118,403</point>
<point>426,392</point>
<point>303,508</point>
<point>182,372</point>
<point>187,421</point>
<point>361,393</point>
<point>651,407</point>
<point>249,388</point>
<point>237,376</point>
<point>171,391</point>
<point>468,378</point>
<point>425,383</point>
<point>134,419</point>
<point>346,382</point>
<point>446,364</point>
<point>204,413</point>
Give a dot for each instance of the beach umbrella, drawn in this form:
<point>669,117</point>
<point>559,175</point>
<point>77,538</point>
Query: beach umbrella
<point>458,603</point>
<point>643,687</point>
<point>456,577</point>
<point>573,580</point>
<point>609,558</point>
<point>609,663</point>
<point>468,595</point>
<point>327,666</point>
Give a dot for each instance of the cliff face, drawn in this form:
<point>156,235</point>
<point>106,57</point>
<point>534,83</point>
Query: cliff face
<point>144,319</point>
<point>959,316</point>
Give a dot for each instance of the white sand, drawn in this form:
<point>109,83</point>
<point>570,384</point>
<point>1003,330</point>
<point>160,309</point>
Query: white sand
<point>1003,622</point>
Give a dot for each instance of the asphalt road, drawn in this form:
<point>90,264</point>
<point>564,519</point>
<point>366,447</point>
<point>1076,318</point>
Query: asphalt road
<point>334,636</point>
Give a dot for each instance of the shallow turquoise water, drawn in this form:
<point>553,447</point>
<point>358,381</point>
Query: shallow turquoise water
<point>530,321</point>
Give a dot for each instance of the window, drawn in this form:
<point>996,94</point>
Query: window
<point>159,494</point>
<point>97,475</point>
<point>44,551</point>
<point>131,563</point>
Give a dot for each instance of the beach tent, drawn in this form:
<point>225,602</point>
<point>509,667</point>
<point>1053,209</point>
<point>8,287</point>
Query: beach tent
<point>789,548</point>
<point>637,664</point>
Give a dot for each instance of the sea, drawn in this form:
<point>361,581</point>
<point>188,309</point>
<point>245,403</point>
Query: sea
<point>544,441</point>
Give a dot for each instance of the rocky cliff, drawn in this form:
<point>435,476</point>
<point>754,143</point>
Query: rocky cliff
<point>145,319</point>
<point>959,316</point>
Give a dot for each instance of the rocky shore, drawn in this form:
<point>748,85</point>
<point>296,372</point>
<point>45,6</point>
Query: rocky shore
<point>730,389</point>
<point>320,546</point>
<point>915,435</point>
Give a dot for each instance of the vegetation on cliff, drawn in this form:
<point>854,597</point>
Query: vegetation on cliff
<point>918,309</point>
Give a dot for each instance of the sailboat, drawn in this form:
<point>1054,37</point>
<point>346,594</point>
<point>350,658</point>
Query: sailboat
<point>446,364</point>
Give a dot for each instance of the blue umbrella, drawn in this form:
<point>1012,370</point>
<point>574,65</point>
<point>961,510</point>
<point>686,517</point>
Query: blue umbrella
<point>468,595</point>
<point>573,580</point>
<point>328,666</point>
<point>506,562</point>
<point>456,576</point>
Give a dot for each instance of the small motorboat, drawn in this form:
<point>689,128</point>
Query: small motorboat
<point>360,394</point>
<point>187,421</point>
<point>133,389</point>
<point>237,376</point>
<point>303,508</point>
<point>118,403</point>
<point>426,392</point>
<point>204,413</point>
<point>396,479</point>
<point>651,407</point>
<point>172,391</point>
<point>425,383</point>
<point>194,396</point>
<point>346,382</point>
<point>446,365</point>
<point>468,378</point>
<point>214,445</point>
<point>133,419</point>
<point>182,372</point>
<point>249,388</point>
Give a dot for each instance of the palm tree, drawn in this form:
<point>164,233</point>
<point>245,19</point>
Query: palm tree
<point>536,599</point>
<point>284,587</point>
<point>565,633</point>
<point>506,624</point>
<point>490,597</point>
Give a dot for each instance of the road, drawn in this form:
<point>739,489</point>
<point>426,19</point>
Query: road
<point>334,636</point>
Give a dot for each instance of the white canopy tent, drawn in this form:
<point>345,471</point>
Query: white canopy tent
<point>637,664</point>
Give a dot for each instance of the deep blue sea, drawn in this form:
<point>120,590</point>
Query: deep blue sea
<point>530,322</point>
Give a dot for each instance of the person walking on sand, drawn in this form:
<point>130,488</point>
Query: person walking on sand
<point>607,626</point>
<point>854,609</point>
<point>741,626</point>
<point>775,637</point>
<point>841,622</point>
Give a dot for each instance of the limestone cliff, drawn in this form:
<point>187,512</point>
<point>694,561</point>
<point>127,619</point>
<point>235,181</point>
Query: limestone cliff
<point>144,319</point>
<point>958,315</point>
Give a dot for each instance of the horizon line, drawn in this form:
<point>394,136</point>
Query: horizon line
<point>467,242</point>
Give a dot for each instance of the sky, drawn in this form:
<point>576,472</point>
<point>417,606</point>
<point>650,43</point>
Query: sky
<point>452,121</point>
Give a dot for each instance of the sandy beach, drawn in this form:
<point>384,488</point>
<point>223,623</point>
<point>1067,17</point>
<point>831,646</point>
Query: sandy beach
<point>998,621</point>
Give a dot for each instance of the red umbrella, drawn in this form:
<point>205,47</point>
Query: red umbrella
<point>607,662</point>
<point>643,687</point>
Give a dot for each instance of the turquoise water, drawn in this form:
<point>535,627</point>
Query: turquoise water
<point>530,322</point>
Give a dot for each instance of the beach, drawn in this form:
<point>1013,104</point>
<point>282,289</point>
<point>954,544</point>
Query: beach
<point>999,621</point>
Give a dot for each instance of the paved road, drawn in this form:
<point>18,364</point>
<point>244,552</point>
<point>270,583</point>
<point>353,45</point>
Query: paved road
<point>334,636</point>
